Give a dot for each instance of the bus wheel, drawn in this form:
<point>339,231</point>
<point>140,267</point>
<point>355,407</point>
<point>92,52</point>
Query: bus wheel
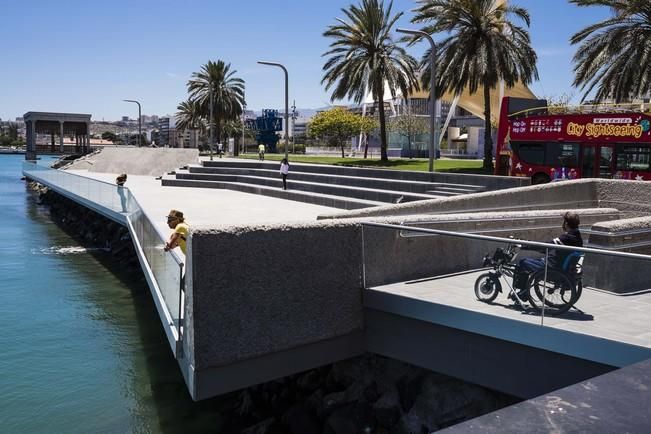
<point>540,178</point>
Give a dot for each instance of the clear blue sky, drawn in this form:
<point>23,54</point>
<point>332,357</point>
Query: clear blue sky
<point>85,56</point>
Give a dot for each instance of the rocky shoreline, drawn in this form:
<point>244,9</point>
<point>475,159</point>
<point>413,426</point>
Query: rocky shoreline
<point>366,394</point>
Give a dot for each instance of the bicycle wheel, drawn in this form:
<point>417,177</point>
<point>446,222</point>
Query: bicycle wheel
<point>558,292</point>
<point>487,286</point>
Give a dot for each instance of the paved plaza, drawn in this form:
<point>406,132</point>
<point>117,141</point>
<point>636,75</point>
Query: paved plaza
<point>208,207</point>
<point>604,315</point>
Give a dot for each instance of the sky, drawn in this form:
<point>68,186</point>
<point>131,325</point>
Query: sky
<point>86,56</point>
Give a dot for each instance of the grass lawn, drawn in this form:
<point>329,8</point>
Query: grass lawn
<point>415,164</point>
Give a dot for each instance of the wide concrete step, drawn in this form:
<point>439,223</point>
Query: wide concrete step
<point>295,195</point>
<point>454,178</point>
<point>370,194</point>
<point>458,189</point>
<point>299,175</point>
<point>438,192</point>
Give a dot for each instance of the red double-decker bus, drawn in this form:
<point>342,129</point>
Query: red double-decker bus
<point>549,144</point>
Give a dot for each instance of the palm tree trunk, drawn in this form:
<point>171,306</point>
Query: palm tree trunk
<point>218,128</point>
<point>383,124</point>
<point>488,137</point>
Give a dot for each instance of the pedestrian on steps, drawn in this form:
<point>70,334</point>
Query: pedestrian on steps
<point>284,171</point>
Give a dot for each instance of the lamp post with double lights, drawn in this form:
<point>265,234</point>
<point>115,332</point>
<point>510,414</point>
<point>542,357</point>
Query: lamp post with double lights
<point>435,106</point>
<point>286,100</point>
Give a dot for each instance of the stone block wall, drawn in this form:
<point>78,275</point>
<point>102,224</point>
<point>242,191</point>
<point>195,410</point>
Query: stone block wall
<point>264,289</point>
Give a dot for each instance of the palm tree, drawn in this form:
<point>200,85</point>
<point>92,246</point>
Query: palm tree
<point>615,54</point>
<point>364,56</point>
<point>481,49</point>
<point>190,117</point>
<point>227,91</point>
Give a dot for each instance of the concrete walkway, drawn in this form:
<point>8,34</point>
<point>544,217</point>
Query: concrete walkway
<point>207,207</point>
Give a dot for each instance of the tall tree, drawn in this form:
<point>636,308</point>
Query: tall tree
<point>614,55</point>
<point>338,125</point>
<point>363,56</point>
<point>227,92</point>
<point>409,126</point>
<point>482,48</point>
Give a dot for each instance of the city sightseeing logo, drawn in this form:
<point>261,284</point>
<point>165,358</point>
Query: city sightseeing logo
<point>614,127</point>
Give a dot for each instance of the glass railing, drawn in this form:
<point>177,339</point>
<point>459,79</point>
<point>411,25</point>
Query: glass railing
<point>110,196</point>
<point>165,267</point>
<point>604,293</point>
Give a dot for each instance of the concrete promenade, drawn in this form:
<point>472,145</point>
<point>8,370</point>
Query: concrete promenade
<point>609,318</point>
<point>207,207</point>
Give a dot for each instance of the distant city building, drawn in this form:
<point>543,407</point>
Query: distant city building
<point>163,132</point>
<point>125,118</point>
<point>167,134</point>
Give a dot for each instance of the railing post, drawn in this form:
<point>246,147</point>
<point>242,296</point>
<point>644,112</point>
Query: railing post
<point>179,342</point>
<point>544,300</point>
<point>363,260</point>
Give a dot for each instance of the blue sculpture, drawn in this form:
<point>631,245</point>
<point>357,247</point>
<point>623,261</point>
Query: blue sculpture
<point>266,127</point>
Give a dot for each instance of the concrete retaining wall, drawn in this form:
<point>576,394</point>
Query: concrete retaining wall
<point>568,195</point>
<point>621,275</point>
<point>260,290</point>
<point>392,256</point>
<point>631,197</point>
<point>136,161</point>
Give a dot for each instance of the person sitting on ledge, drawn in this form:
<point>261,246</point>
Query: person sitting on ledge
<point>178,238</point>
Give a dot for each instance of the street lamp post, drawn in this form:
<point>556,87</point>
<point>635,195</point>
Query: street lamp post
<point>286,100</point>
<point>243,146</point>
<point>435,107</point>
<point>139,118</point>
<point>212,121</point>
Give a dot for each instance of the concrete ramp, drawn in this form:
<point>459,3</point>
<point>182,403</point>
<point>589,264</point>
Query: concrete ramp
<point>136,161</point>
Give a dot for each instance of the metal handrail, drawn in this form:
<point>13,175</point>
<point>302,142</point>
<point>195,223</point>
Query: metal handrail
<point>510,240</point>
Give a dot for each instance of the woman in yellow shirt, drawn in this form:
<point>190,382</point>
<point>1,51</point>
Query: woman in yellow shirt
<point>179,237</point>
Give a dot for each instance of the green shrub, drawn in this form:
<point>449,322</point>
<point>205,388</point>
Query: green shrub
<point>298,148</point>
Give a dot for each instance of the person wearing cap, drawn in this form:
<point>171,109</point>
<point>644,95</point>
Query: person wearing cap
<point>178,238</point>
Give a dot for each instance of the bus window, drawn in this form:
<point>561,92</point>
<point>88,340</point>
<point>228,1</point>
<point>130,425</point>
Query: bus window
<point>587,168</point>
<point>562,154</point>
<point>605,162</point>
<point>631,157</point>
<point>532,153</point>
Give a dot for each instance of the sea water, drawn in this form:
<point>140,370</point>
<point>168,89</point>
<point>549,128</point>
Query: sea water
<point>82,348</point>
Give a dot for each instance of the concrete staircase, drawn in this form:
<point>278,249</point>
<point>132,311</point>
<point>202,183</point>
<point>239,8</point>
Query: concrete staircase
<point>332,186</point>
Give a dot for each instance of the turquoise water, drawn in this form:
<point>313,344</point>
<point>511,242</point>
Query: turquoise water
<point>82,347</point>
